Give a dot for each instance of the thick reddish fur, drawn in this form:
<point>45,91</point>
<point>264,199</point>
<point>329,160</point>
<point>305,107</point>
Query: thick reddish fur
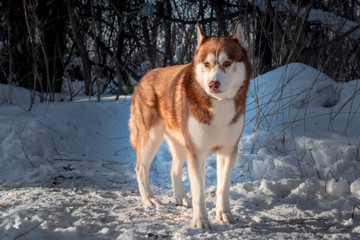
<point>171,94</point>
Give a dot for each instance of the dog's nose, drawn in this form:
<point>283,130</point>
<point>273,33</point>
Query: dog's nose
<point>214,85</point>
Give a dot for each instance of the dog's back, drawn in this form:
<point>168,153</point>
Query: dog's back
<point>152,99</point>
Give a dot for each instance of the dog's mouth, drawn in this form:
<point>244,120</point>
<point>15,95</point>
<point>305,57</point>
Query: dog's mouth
<point>215,91</point>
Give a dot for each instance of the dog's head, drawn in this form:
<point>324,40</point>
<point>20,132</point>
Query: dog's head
<point>221,63</point>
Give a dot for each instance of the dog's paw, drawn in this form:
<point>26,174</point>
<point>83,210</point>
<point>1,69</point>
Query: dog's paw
<point>150,202</point>
<point>183,200</point>
<point>201,223</point>
<point>225,217</point>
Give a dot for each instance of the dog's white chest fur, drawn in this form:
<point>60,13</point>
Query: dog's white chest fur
<point>221,132</point>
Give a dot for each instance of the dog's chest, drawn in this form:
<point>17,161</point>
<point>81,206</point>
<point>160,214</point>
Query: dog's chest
<point>221,132</point>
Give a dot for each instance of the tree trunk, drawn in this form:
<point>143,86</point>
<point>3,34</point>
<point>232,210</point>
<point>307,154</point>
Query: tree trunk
<point>220,16</point>
<point>82,49</point>
<point>168,59</point>
<point>263,38</point>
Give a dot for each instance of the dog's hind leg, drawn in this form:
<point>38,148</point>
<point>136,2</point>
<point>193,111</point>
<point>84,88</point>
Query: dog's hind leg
<point>178,153</point>
<point>145,154</point>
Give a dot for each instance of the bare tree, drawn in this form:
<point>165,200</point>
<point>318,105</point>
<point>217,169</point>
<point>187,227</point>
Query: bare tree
<point>81,47</point>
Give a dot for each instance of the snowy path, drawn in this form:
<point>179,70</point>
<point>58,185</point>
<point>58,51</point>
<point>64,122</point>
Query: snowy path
<point>114,212</point>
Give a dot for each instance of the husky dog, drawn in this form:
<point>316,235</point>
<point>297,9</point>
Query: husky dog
<point>199,108</point>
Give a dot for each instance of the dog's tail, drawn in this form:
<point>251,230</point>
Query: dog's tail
<point>133,130</point>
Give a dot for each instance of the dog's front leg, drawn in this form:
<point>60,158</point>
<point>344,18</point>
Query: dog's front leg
<point>196,167</point>
<point>225,163</point>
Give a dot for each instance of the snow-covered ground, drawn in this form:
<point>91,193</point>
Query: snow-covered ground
<point>67,169</point>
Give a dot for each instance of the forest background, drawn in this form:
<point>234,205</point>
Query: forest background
<point>107,46</point>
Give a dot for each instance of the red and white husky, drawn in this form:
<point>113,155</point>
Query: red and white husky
<point>199,108</point>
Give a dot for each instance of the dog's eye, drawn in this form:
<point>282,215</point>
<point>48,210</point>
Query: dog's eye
<point>207,64</point>
<point>226,63</point>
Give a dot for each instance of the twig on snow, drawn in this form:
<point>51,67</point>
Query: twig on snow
<point>22,234</point>
<point>23,148</point>
<point>315,166</point>
<point>56,151</point>
<point>167,217</point>
<point>248,162</point>
<point>327,178</point>
<point>73,160</point>
<point>174,217</point>
<point>105,165</point>
<point>353,211</point>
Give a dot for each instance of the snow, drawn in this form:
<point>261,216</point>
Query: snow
<point>67,168</point>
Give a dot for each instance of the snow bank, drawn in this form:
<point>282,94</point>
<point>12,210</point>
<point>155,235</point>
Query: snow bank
<point>302,124</point>
<point>31,142</point>
<point>13,95</point>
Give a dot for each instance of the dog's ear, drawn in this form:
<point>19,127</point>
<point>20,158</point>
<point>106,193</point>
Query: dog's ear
<point>200,35</point>
<point>239,34</point>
